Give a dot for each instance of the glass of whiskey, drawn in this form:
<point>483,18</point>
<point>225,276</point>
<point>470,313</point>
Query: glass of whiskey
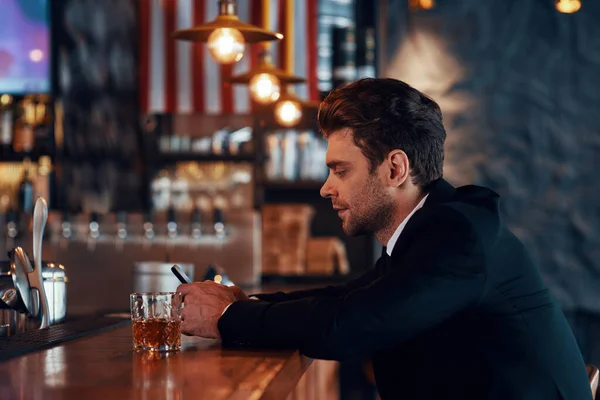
<point>156,321</point>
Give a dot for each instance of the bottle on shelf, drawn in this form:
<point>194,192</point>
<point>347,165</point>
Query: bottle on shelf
<point>43,179</point>
<point>365,54</point>
<point>24,139</point>
<point>26,189</point>
<point>344,55</point>
<point>332,14</point>
<point>6,122</point>
<point>43,123</point>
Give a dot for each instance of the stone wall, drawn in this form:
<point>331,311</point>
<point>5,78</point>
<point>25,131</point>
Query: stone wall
<point>519,86</point>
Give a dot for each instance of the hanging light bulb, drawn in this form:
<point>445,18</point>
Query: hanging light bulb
<point>427,4</point>
<point>265,88</point>
<point>226,45</point>
<point>568,6</point>
<point>421,4</point>
<point>265,80</point>
<point>288,112</point>
<point>226,35</point>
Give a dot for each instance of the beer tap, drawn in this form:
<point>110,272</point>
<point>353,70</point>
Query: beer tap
<point>12,230</point>
<point>121,230</point>
<point>94,232</point>
<point>196,225</point>
<point>171,226</point>
<point>219,228</point>
<point>66,232</point>
<point>219,224</point>
<point>172,223</point>
<point>149,233</point>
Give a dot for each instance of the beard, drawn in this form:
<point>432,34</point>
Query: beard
<point>370,211</point>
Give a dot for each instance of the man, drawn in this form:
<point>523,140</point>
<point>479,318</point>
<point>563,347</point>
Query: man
<point>453,309</point>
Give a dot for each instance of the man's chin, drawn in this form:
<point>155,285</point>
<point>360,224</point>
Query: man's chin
<point>353,231</point>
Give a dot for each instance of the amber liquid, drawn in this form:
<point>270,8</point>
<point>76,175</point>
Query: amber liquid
<point>157,334</point>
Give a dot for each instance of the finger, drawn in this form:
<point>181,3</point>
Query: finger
<point>185,313</point>
<point>185,288</point>
<point>213,283</point>
<point>186,328</point>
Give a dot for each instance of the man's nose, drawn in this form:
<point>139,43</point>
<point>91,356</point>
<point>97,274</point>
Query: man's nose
<point>327,190</point>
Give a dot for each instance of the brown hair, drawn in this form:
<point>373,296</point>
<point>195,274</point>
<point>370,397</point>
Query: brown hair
<point>386,114</point>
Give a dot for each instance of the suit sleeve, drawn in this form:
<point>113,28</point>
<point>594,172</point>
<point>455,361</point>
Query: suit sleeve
<point>442,274</point>
<point>364,279</point>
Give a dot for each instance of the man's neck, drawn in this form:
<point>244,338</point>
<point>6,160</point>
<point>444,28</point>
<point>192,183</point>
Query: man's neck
<point>404,208</point>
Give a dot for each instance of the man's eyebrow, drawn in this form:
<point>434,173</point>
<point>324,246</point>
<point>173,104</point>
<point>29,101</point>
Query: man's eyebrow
<point>337,163</point>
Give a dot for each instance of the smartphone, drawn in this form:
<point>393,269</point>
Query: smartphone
<point>183,278</point>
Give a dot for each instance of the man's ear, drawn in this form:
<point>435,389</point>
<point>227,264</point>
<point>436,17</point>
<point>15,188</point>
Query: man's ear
<point>398,168</point>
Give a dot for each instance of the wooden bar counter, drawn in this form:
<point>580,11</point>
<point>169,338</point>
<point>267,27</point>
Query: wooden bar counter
<point>104,366</point>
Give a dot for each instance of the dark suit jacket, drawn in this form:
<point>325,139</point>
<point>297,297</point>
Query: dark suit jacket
<point>459,311</point>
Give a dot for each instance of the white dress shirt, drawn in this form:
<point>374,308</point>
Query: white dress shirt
<point>392,242</point>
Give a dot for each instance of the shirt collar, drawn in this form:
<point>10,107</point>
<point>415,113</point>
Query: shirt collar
<point>392,242</point>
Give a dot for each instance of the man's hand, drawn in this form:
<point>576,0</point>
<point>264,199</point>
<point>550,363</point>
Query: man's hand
<point>204,303</point>
<point>238,293</point>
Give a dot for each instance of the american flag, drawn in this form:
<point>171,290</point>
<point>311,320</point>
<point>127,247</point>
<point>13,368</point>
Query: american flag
<point>182,77</point>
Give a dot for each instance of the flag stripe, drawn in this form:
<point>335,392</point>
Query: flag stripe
<point>184,58</point>
<point>170,55</point>
<point>157,65</point>
<point>144,66</point>
<point>197,71</point>
<point>241,99</point>
<point>284,43</point>
<point>255,19</point>
<point>226,90</point>
<point>300,45</point>
<point>274,27</point>
<point>311,37</point>
<point>212,70</point>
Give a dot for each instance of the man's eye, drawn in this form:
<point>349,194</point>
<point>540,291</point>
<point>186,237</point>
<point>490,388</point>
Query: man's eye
<point>340,173</point>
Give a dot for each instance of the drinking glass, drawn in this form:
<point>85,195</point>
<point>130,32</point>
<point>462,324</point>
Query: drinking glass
<point>156,321</point>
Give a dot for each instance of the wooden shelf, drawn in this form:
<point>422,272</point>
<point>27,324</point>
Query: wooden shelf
<point>167,158</point>
<point>293,185</point>
<point>12,156</point>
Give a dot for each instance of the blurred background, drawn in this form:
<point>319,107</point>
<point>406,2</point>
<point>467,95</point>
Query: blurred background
<point>157,144</point>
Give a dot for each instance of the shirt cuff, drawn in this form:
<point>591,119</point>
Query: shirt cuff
<point>228,305</point>
<point>249,298</point>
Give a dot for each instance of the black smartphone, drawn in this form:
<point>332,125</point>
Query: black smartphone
<point>183,278</point>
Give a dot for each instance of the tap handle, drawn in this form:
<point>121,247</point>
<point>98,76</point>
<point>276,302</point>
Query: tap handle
<point>94,225</point>
<point>149,226</point>
<point>94,217</point>
<point>218,216</point>
<point>196,216</point>
<point>149,217</point>
<point>122,217</point>
<point>12,223</point>
<point>11,215</point>
<point>196,223</point>
<point>172,223</point>
<point>121,227</point>
<point>66,219</point>
<point>66,225</point>
<point>171,217</point>
<point>219,223</point>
